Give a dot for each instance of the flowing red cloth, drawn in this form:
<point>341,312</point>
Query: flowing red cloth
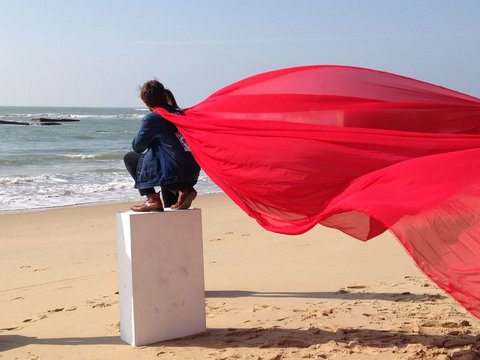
<point>355,149</point>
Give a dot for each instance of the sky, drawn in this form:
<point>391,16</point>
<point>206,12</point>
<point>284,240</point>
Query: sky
<point>97,52</point>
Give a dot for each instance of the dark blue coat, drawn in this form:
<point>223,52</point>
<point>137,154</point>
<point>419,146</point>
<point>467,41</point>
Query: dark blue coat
<point>165,160</point>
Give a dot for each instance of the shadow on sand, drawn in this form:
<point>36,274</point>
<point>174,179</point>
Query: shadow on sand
<point>342,294</point>
<point>221,338</point>
<point>8,342</point>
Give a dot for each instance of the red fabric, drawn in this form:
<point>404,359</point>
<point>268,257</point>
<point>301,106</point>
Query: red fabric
<point>355,149</point>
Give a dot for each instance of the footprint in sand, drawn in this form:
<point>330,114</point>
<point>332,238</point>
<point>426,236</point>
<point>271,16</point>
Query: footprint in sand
<point>55,310</point>
<point>328,312</point>
<point>40,317</point>
<point>31,356</point>
<point>101,305</point>
<point>264,307</point>
<point>105,301</point>
<point>356,287</point>
<point>10,328</point>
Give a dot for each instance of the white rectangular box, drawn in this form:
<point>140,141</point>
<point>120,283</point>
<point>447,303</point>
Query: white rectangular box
<point>160,265</point>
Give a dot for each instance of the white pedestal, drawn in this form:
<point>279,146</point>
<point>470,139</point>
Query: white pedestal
<point>160,265</point>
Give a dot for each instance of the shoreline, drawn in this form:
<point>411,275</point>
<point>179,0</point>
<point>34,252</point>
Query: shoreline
<point>268,296</point>
<point>86,204</point>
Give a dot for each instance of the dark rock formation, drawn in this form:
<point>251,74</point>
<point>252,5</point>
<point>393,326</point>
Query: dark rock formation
<point>13,122</point>
<point>43,120</point>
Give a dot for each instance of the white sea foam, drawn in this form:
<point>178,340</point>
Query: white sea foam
<point>39,179</point>
<point>92,156</point>
<point>80,156</point>
<point>44,191</point>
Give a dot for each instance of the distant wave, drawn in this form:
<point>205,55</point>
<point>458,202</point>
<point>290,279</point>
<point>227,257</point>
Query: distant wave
<point>104,116</point>
<point>30,116</point>
<point>93,156</point>
<point>38,159</point>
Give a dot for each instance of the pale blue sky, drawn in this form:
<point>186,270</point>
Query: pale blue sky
<point>97,52</point>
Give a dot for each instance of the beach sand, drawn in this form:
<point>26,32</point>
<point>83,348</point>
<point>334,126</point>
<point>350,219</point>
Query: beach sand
<point>321,295</point>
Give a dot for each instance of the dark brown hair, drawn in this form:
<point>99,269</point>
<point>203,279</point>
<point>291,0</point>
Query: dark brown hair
<point>153,94</point>
<point>171,98</point>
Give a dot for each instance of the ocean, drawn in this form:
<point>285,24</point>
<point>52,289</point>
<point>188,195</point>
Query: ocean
<point>46,165</point>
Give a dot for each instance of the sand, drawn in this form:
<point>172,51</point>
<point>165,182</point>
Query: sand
<point>321,295</point>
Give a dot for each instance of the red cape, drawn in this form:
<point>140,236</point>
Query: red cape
<point>355,149</point>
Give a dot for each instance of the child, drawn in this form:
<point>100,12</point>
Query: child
<point>159,157</point>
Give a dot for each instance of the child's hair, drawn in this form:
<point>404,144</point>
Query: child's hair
<point>153,94</point>
<point>171,98</point>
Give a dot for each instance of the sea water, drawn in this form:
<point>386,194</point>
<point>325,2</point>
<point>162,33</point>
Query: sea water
<point>43,166</point>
